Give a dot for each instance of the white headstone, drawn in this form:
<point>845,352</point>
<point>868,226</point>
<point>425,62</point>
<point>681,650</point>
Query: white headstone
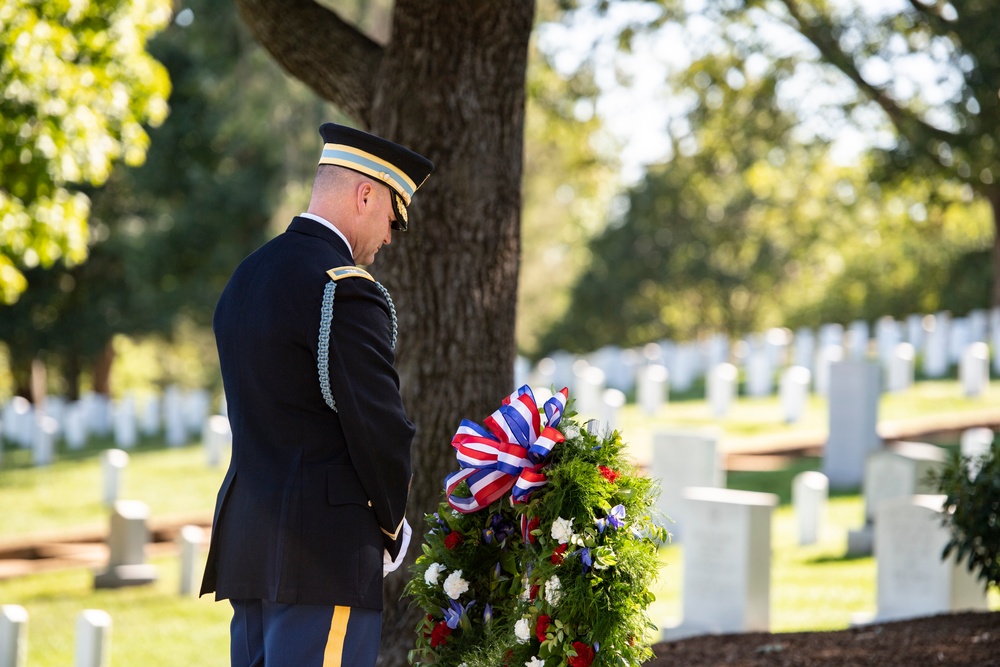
<point>912,579</point>
<point>827,355</point>
<point>978,325</point>
<point>189,541</point>
<point>13,636</point>
<point>612,402</point>
<point>727,561</point>
<point>760,374</point>
<point>681,459</point>
<point>974,445</point>
<point>149,422</point>
<point>717,350</point>
<point>976,441</point>
<point>805,348</point>
<point>776,342</point>
<point>720,387</point>
<point>831,334</point>
<point>974,370</point>
<point>915,330</point>
<point>810,491</point>
<point>794,390</point>
<point>75,428</point>
<point>43,442</point>
<point>543,375</point>
<point>858,336</point>
<point>563,375</point>
<point>113,465</point>
<point>652,391</point>
<point>960,338</point>
<point>618,366</point>
<point>97,407</point>
<point>93,639</point>
<point>900,469</point>
<point>173,417</point>
<point>126,431</point>
<point>682,366</point>
<point>18,419</point>
<point>522,368</point>
<point>589,389</point>
<point>197,405</point>
<point>936,361</point>
<point>853,416</point>
<point>899,373</point>
<point>216,435</point>
<point>127,546</point>
<point>888,334</point>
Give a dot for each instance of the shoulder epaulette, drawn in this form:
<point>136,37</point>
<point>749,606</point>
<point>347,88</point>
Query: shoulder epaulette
<point>349,272</point>
<point>326,317</point>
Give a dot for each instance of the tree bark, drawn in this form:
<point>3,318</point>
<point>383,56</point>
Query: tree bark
<point>102,369</point>
<point>451,86</point>
<point>993,196</point>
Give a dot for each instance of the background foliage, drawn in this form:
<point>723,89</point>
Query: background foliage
<point>78,87</point>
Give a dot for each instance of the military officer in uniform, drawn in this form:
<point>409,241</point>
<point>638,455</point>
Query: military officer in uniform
<point>310,516</point>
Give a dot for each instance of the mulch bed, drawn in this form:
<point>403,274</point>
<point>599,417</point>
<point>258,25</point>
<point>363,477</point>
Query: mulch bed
<point>957,640</point>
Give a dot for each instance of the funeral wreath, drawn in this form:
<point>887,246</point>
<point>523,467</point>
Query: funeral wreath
<point>543,550</point>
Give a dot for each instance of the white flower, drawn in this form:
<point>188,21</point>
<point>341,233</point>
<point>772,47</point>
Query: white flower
<point>535,662</point>
<point>432,573</point>
<point>464,664</point>
<point>570,430</point>
<point>522,630</point>
<point>455,585</point>
<point>562,530</point>
<point>553,590</point>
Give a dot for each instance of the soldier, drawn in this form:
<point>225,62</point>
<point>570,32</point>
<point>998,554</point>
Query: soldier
<point>310,515</point>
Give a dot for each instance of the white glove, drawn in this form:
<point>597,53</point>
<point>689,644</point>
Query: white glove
<point>390,565</point>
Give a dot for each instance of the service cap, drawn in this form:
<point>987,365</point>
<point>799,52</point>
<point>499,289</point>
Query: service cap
<point>397,166</point>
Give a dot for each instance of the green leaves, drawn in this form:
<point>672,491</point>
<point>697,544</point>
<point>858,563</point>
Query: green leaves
<point>78,88</point>
<point>972,490</point>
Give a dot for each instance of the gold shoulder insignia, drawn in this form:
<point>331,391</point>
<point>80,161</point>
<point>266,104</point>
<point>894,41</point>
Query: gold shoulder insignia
<point>348,272</point>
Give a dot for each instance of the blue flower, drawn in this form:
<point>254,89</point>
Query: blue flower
<point>586,559</point>
<point>453,615</point>
<point>488,613</point>
<point>488,535</point>
<point>601,525</point>
<point>616,517</point>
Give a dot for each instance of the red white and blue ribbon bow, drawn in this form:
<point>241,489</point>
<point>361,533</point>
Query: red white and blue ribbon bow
<point>509,453</point>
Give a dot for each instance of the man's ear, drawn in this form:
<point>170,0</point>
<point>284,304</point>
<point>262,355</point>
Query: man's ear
<point>364,193</point>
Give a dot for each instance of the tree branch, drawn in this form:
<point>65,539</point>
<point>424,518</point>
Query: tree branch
<point>320,49</point>
<point>820,34</point>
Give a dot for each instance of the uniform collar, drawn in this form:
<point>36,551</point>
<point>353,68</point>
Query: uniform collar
<point>314,225</point>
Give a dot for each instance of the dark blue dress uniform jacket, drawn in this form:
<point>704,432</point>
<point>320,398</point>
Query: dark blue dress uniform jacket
<point>312,496</point>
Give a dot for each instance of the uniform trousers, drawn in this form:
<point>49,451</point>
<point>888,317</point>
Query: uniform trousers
<point>270,634</point>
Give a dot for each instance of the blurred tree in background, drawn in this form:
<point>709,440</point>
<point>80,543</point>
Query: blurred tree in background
<point>166,236</point>
<point>78,88</point>
<point>756,220</point>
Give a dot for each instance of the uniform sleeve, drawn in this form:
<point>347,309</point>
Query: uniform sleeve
<point>365,387</point>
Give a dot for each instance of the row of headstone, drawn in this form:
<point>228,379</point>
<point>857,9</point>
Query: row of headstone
<point>93,637</point>
<point>940,341</point>
<point>178,415</point>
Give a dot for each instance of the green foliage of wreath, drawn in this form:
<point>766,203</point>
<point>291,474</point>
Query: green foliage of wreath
<point>577,593</point>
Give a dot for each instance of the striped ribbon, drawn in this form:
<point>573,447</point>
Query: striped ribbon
<point>508,454</point>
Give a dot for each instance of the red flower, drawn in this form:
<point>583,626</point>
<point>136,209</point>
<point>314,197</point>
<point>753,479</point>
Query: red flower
<point>558,554</point>
<point>541,626</point>
<point>609,474</point>
<point>453,539</point>
<point>532,524</point>
<point>584,655</point>
<point>439,636</point>
<point>534,592</point>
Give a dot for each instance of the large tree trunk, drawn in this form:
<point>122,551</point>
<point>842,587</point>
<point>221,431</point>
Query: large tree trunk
<point>452,88</point>
<point>450,85</point>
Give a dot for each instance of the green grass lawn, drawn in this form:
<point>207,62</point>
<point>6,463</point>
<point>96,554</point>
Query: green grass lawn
<point>812,587</point>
